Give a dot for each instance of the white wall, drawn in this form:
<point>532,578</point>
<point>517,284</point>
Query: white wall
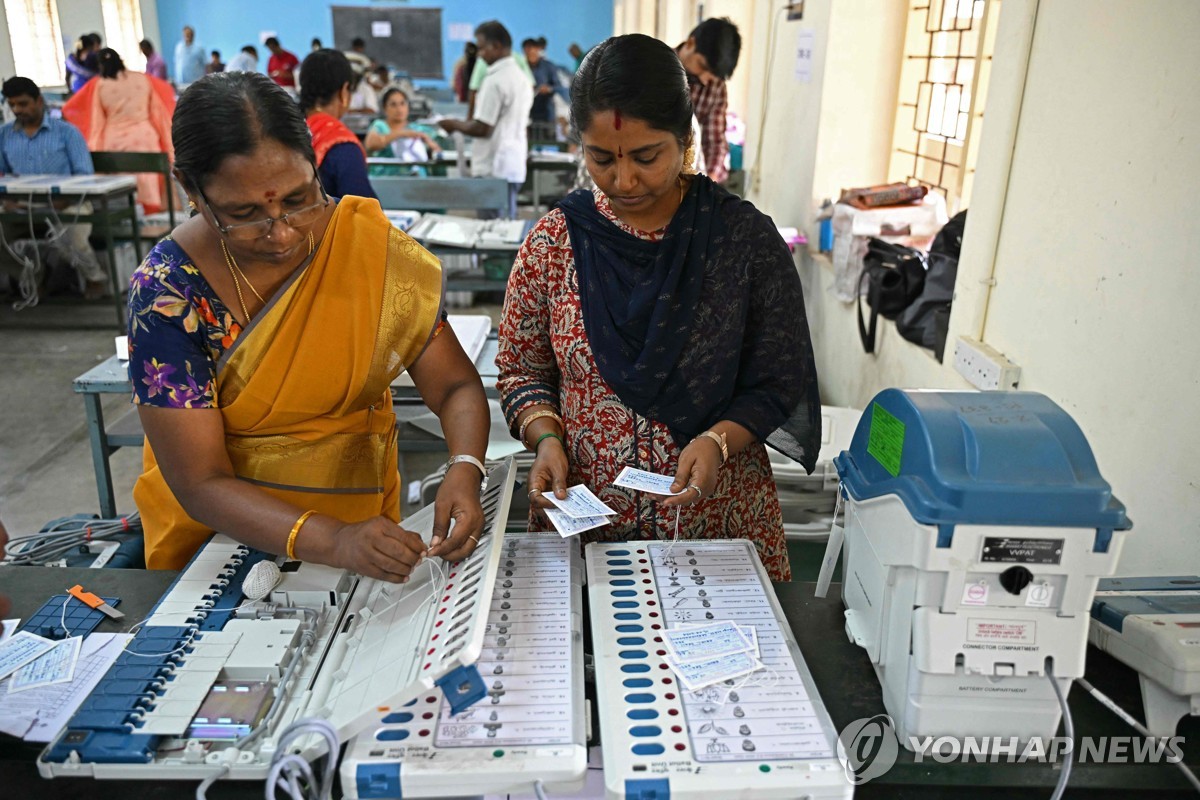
<point>1081,212</point>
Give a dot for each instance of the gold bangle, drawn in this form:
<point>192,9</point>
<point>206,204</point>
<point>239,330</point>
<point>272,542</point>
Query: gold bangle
<point>535,416</point>
<point>719,438</point>
<point>291,542</point>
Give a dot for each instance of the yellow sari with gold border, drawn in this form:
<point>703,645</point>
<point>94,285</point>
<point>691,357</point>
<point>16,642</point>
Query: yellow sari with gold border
<point>304,391</point>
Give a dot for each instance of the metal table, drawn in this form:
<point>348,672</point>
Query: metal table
<point>110,214</point>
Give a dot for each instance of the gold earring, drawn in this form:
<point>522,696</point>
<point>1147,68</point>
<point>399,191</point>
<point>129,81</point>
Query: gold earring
<point>689,160</point>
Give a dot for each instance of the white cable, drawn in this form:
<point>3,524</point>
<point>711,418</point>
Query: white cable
<point>39,549</point>
<point>290,772</point>
<point>1068,728</point>
<point>1112,706</point>
<point>539,790</point>
<point>66,599</point>
<point>202,789</point>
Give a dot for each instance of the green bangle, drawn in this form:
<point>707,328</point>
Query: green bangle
<point>548,436</point>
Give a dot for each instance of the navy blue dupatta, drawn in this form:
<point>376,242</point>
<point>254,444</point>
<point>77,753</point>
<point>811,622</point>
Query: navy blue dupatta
<point>706,324</point>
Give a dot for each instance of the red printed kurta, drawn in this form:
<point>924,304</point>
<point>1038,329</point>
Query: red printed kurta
<point>545,357</point>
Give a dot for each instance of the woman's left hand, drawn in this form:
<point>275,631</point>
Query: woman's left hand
<point>431,145</point>
<point>457,500</point>
<point>696,476</point>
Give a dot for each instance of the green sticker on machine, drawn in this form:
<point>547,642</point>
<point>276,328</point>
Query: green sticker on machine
<point>886,441</point>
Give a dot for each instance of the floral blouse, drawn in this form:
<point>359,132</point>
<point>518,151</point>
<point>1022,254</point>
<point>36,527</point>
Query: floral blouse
<point>178,331</point>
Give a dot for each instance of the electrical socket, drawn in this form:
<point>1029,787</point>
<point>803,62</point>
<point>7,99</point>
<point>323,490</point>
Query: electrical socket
<point>984,366</point>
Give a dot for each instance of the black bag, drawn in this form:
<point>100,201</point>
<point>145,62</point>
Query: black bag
<point>894,277</point>
<point>927,320</point>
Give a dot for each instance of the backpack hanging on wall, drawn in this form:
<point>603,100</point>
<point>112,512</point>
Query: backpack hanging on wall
<point>894,276</point>
<point>927,319</point>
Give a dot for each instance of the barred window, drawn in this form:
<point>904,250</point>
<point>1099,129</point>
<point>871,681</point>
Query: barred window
<point>123,30</point>
<point>36,40</point>
<point>943,84</point>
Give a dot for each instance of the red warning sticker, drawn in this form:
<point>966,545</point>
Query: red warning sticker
<point>999,630</point>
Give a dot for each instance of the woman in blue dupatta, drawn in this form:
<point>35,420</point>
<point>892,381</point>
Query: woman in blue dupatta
<point>657,323</point>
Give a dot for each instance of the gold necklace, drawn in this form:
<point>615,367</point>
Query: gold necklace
<point>235,271</point>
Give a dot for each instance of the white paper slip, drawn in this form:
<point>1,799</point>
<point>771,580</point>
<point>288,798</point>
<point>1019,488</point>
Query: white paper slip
<point>569,526</point>
<point>706,642</point>
<point>56,665</point>
<point>580,503</point>
<point>695,675</point>
<point>643,481</point>
<point>20,649</point>
<point>749,631</point>
<point>10,627</point>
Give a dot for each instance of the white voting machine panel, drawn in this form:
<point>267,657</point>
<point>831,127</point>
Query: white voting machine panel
<point>766,736</point>
<point>531,725</point>
<point>64,184</point>
<point>211,678</point>
<point>456,231</point>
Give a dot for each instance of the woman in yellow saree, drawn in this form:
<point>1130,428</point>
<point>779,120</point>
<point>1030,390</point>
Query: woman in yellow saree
<point>264,334</point>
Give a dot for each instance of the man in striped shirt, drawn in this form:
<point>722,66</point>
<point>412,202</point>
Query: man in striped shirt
<point>710,55</point>
<point>36,144</point>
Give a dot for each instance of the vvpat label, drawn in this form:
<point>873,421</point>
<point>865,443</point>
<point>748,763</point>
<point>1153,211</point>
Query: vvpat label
<point>999,630</point>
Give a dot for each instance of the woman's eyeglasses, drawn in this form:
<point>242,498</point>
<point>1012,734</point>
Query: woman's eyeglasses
<point>245,231</point>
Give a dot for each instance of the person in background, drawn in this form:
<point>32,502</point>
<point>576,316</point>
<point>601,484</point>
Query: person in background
<point>394,137</point>
<point>501,114</point>
<point>577,53</point>
<point>189,59</point>
<point>364,99</point>
<point>462,70</point>
<point>544,76</point>
<point>36,144</point>
<point>315,45</point>
<point>268,281</point>
<point>325,79</point>
<point>215,65</point>
<point>81,64</point>
<point>245,61</point>
<point>126,112</point>
<point>480,71</point>
<point>358,58</point>
<point>156,67</point>
<point>710,55</point>
<point>657,322</point>
<point>281,66</point>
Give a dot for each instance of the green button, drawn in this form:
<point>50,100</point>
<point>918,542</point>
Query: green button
<point>764,767</point>
<point>498,753</point>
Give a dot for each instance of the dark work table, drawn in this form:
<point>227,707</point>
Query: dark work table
<point>850,691</point>
<point>842,672</point>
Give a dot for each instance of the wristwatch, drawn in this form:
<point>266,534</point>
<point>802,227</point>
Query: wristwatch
<point>467,459</point>
<point>719,438</point>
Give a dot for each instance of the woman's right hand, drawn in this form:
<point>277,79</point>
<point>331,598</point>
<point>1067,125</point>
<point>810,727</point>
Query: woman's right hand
<point>548,473</point>
<point>377,548</point>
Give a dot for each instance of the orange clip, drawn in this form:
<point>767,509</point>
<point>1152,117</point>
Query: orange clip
<point>87,598</point>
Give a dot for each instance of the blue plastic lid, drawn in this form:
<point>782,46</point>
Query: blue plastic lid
<point>984,458</point>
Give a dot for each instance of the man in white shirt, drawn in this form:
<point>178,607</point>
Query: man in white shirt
<point>501,114</point>
<point>244,61</point>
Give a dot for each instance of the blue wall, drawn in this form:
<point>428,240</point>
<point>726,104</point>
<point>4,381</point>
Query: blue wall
<point>229,25</point>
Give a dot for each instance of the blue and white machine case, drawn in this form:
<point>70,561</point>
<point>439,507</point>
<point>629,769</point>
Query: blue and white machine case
<point>976,528</point>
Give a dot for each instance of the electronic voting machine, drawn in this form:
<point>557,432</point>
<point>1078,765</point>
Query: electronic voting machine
<point>766,735</point>
<point>210,679</point>
<point>977,526</point>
